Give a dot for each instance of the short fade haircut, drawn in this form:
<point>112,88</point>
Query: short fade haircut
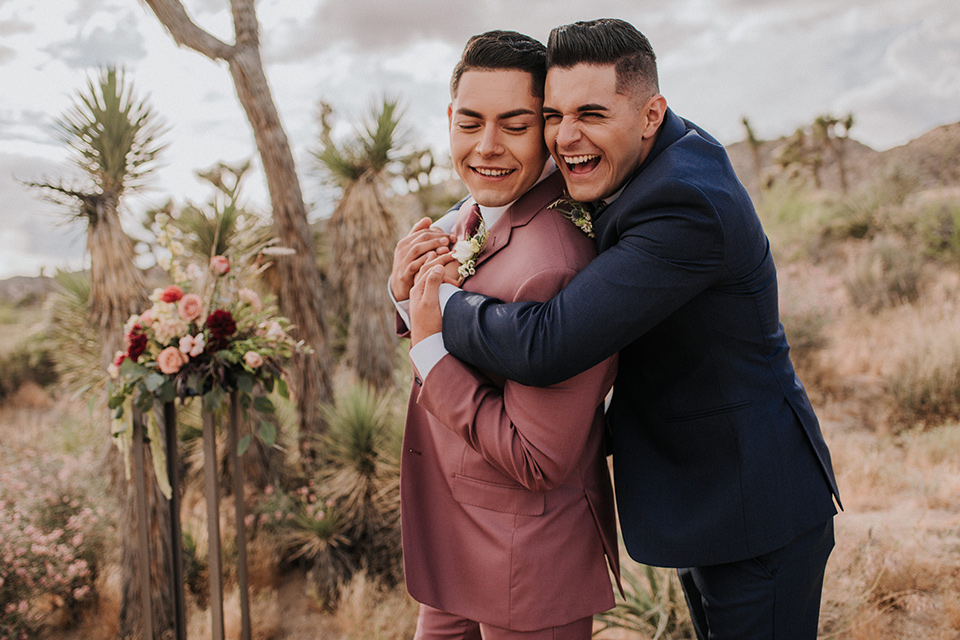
<point>602,42</point>
<point>496,50</point>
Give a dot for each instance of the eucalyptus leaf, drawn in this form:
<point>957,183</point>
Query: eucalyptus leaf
<point>213,399</point>
<point>153,381</point>
<point>268,433</point>
<point>263,404</point>
<point>243,445</point>
<point>244,383</point>
<point>130,369</point>
<point>168,392</point>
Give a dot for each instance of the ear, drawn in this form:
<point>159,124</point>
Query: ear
<point>655,108</point>
<point>450,114</point>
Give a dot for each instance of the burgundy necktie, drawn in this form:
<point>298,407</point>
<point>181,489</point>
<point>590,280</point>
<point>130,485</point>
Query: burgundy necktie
<point>474,220</point>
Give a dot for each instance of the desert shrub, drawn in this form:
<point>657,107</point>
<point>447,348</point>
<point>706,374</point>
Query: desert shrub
<point>31,362</point>
<point>76,346</point>
<point>51,534</point>
<point>926,387</point>
<point>370,610</point>
<point>653,607</point>
<point>938,227</point>
<point>885,274</point>
<point>810,296</point>
<point>346,518</point>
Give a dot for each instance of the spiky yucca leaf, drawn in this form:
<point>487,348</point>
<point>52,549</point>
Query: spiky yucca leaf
<point>114,136</point>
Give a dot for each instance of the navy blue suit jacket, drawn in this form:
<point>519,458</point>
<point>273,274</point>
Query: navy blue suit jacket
<point>717,453</point>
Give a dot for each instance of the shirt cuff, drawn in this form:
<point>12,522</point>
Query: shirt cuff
<point>427,353</point>
<point>446,292</point>
<point>402,306</point>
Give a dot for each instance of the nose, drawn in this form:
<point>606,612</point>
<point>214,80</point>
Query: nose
<point>489,143</point>
<point>568,132</point>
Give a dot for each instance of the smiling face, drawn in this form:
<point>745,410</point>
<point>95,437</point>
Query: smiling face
<point>597,136</point>
<point>496,134</point>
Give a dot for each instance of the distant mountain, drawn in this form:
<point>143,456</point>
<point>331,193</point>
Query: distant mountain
<point>19,288</point>
<point>933,159</point>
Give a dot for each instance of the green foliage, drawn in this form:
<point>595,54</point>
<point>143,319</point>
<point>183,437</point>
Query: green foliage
<point>75,346</point>
<point>653,606</point>
<point>371,149</point>
<point>33,361</point>
<point>938,228</point>
<point>346,519</point>
<point>220,226</point>
<point>114,136</point>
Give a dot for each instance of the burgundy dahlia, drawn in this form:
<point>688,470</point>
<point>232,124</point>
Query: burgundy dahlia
<point>136,342</point>
<point>221,326</point>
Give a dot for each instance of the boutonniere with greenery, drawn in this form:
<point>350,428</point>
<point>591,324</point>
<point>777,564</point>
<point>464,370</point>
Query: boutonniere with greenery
<point>466,251</point>
<point>579,213</point>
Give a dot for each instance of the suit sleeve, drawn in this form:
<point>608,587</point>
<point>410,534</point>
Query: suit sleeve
<point>668,251</point>
<point>534,435</point>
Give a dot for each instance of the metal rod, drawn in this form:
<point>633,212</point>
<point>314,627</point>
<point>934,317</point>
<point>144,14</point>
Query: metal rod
<point>237,472</point>
<point>140,497</point>
<point>213,525</point>
<point>176,533</point>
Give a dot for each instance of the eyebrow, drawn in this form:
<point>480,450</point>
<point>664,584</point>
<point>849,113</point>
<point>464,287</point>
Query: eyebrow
<point>581,108</point>
<point>470,113</point>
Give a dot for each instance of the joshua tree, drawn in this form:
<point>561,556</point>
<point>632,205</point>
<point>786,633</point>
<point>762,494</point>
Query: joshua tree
<point>299,276</point>
<point>832,132</point>
<point>115,139</point>
<point>755,144</point>
<point>362,234</point>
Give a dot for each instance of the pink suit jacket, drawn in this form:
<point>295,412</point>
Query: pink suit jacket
<point>507,507</point>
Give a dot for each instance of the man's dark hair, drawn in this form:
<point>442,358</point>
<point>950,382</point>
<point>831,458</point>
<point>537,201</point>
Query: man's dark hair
<point>503,50</point>
<point>602,42</point>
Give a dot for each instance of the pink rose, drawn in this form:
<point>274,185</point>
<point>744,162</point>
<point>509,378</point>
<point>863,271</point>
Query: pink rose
<point>190,307</point>
<point>170,360</point>
<point>253,359</point>
<point>220,265</point>
<point>148,317</point>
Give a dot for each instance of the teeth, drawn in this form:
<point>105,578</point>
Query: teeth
<point>492,173</point>
<point>579,159</point>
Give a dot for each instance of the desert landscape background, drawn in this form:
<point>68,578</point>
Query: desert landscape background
<point>870,295</point>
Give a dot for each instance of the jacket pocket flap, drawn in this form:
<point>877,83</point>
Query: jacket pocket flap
<point>497,497</point>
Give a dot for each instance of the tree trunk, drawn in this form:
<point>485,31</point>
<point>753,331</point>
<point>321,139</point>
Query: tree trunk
<point>117,291</point>
<point>361,233</point>
<point>130,623</point>
<point>299,278</point>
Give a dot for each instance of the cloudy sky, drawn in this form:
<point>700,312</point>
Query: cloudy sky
<point>895,65</point>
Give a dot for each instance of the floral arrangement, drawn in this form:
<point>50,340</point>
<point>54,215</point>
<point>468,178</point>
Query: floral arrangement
<point>467,250</point>
<point>579,213</point>
<point>205,335</point>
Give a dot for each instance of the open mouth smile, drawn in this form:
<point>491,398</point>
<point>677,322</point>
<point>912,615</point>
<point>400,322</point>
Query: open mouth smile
<point>582,163</point>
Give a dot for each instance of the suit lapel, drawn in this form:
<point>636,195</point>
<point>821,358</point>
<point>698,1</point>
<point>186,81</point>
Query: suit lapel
<point>522,211</point>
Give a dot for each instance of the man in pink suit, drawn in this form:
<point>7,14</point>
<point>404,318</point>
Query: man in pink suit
<point>507,507</point>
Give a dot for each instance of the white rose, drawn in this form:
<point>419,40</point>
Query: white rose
<point>463,250</point>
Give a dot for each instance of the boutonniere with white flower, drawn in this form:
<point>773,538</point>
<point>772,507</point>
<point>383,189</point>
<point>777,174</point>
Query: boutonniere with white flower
<point>579,213</point>
<point>467,250</point>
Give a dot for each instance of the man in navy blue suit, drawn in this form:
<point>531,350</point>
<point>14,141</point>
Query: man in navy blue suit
<point>720,466</point>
